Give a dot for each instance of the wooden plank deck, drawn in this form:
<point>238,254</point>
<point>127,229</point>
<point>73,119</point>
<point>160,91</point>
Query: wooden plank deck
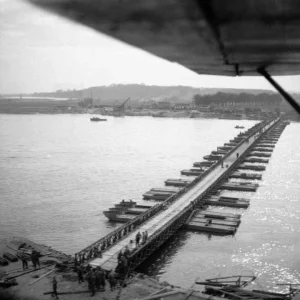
<point>152,225</point>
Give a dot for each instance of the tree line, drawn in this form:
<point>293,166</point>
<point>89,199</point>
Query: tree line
<point>263,99</point>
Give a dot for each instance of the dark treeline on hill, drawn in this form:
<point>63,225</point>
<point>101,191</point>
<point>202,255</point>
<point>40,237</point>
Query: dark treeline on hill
<point>143,92</point>
<point>227,98</point>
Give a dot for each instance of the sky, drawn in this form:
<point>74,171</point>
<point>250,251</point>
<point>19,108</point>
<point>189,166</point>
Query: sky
<point>42,52</point>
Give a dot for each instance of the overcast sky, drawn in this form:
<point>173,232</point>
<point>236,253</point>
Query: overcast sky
<point>43,52</point>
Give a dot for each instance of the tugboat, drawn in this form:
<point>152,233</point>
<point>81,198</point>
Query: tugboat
<point>95,119</point>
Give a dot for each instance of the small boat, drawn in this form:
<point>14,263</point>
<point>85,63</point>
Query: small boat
<point>239,127</point>
<point>119,206</point>
<point>95,119</point>
<point>228,202</point>
<point>128,210</point>
<point>201,164</point>
<point>225,148</point>
<point>117,216</point>
<point>177,182</point>
<point>159,196</point>
<point>125,211</point>
<point>192,172</point>
<point>172,190</point>
<point>221,152</point>
<point>212,157</point>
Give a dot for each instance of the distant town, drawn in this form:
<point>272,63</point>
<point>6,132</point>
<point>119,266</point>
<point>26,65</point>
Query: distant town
<point>140,100</point>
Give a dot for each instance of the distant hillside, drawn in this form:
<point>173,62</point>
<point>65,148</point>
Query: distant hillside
<point>139,92</point>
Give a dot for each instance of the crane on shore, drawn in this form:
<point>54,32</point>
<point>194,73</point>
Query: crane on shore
<point>120,109</point>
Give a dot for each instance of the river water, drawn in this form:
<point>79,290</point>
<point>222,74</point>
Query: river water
<point>59,172</point>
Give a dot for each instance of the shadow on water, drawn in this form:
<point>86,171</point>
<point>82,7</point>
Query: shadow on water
<point>155,264</point>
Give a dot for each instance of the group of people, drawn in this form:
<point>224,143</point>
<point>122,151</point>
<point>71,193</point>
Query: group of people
<point>141,238</point>
<point>35,259</point>
<point>96,278</point>
<point>83,257</point>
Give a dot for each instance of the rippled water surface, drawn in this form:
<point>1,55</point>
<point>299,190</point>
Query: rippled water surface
<point>59,172</point>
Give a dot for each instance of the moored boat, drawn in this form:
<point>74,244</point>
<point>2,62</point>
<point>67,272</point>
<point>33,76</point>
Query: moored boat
<point>201,164</point>
<point>192,172</point>
<point>177,182</point>
<point>160,196</point>
<point>116,216</point>
<point>219,152</point>
<point>212,157</point>
<point>227,148</point>
<point>96,119</point>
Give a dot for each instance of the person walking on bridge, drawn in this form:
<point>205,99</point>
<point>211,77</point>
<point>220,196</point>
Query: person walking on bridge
<point>145,237</point>
<point>126,252</point>
<point>137,239</point>
<point>120,255</point>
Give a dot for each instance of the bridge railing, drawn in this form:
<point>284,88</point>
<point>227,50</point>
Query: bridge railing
<point>217,163</point>
<point>112,238</point>
<point>106,242</point>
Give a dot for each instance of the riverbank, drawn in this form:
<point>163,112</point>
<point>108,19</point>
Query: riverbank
<point>36,284</point>
<point>194,114</point>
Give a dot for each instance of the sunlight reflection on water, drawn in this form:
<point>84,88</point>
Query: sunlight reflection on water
<point>58,173</point>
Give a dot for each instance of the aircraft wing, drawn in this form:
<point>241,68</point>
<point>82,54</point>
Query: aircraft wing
<point>220,37</point>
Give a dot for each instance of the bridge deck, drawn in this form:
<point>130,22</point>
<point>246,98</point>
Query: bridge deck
<point>109,258</point>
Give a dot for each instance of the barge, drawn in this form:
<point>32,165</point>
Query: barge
<point>251,167</point>
<point>260,149</point>
<point>240,186</point>
<point>118,216</point>
<point>192,172</point>
<point>212,157</point>
<point>225,148</point>
<point>217,152</point>
<point>250,176</point>
<point>213,222</point>
<point>159,196</point>
<point>201,164</point>
<point>177,182</point>
<point>260,154</point>
<point>256,160</point>
<point>227,202</point>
